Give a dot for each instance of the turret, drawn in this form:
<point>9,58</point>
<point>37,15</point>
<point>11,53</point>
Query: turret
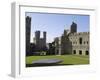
<point>73,28</point>
<point>37,37</point>
<point>44,36</point>
<point>28,33</point>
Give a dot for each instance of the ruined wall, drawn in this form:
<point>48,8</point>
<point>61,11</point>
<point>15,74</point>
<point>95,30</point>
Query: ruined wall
<point>80,43</point>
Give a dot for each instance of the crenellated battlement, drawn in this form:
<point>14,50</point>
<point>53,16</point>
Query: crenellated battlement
<point>79,33</point>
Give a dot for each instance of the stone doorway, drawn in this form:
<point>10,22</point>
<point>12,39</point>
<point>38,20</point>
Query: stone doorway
<point>74,51</point>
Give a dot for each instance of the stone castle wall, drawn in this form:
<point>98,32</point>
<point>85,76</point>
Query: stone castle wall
<point>80,43</point>
<point>72,42</point>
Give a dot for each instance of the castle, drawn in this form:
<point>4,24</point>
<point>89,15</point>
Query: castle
<point>40,43</point>
<point>70,42</point>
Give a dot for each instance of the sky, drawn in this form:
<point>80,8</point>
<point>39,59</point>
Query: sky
<point>54,24</point>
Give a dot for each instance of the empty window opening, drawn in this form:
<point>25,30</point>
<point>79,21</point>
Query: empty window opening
<point>80,40</point>
<point>80,52</point>
<point>87,52</point>
<point>87,42</point>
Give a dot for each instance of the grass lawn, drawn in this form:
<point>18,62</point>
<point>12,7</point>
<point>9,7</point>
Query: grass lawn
<point>67,59</point>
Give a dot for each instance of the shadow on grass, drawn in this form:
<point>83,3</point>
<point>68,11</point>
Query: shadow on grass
<point>41,65</point>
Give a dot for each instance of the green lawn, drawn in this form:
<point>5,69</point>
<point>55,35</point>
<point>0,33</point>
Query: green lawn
<point>67,59</point>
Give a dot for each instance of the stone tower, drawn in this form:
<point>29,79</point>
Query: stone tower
<point>44,37</point>
<point>37,37</point>
<point>28,32</point>
<point>40,42</point>
<point>73,28</point>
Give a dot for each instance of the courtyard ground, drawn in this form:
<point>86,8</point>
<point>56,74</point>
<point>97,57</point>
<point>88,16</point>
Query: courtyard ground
<point>67,59</point>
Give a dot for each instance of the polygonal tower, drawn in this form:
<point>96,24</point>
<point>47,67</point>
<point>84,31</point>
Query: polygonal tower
<point>28,32</point>
<point>73,27</point>
<point>37,37</point>
<point>44,37</point>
